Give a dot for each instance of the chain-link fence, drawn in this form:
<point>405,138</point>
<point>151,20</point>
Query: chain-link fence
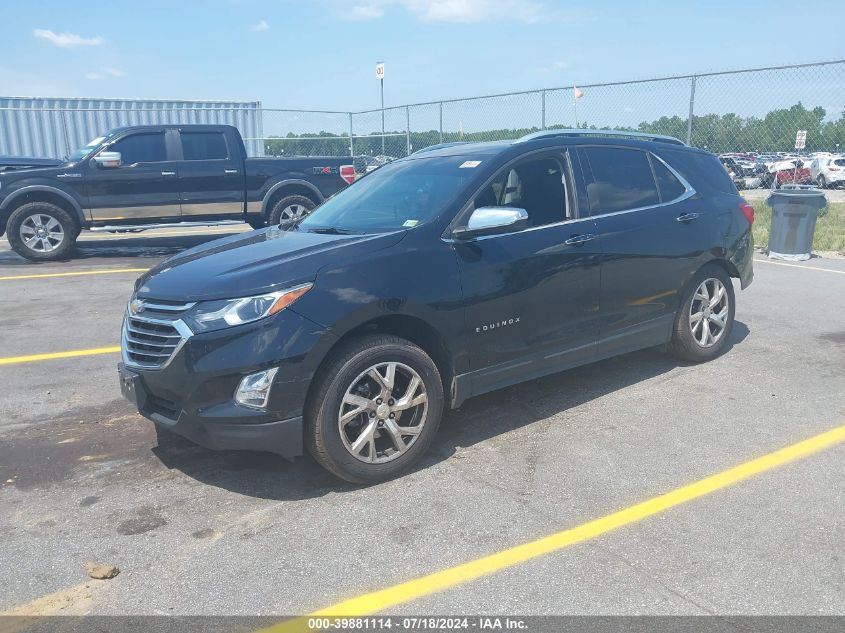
<point>756,110</point>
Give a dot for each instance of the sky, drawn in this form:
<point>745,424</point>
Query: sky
<point>321,54</point>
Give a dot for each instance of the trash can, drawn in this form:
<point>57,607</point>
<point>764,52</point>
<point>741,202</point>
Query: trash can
<point>795,209</point>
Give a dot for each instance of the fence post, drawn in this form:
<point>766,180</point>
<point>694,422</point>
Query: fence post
<point>66,133</point>
<point>441,121</point>
<point>407,131</point>
<point>691,108</point>
<point>351,145</point>
<point>543,120</point>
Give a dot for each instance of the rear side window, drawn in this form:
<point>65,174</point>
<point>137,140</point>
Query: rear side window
<point>703,171</point>
<point>203,146</point>
<point>621,179</point>
<point>141,148</point>
<point>667,183</point>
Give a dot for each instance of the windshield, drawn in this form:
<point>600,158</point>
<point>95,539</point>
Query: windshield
<point>403,194</point>
<point>83,152</point>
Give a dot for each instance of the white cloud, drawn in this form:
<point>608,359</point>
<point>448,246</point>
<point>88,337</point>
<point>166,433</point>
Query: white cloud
<point>455,11</point>
<point>66,40</point>
<point>260,27</point>
<point>105,71</point>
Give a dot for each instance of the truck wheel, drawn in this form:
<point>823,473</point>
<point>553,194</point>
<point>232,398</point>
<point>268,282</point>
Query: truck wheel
<point>42,231</point>
<point>375,410</point>
<point>290,208</point>
<point>822,182</point>
<point>705,319</point>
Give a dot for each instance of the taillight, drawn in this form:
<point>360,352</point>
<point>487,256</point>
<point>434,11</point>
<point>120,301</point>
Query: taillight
<point>347,172</point>
<point>747,211</point>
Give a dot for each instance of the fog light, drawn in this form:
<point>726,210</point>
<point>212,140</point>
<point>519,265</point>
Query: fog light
<point>254,390</point>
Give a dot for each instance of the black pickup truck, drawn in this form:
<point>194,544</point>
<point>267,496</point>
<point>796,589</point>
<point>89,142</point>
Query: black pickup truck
<point>142,177</point>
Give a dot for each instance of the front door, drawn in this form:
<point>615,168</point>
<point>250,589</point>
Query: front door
<point>144,186</point>
<point>531,295</point>
<point>210,178</point>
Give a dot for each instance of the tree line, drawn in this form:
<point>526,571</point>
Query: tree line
<point>717,133</point>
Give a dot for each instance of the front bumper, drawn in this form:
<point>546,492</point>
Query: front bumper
<point>283,437</point>
<point>192,394</point>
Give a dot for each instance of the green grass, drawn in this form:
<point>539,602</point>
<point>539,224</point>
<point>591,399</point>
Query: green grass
<point>830,227</point>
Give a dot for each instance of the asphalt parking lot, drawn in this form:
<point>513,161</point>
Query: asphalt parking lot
<point>198,532</point>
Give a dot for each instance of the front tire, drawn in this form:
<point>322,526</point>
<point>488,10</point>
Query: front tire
<point>375,410</point>
<point>705,318</point>
<point>290,208</point>
<point>41,231</point>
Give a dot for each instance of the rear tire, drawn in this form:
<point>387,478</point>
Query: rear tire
<point>366,430</point>
<point>290,208</point>
<point>705,318</point>
<point>822,182</point>
<point>41,231</point>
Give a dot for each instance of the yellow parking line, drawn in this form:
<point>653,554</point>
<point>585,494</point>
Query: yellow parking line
<point>824,270</point>
<point>109,271</point>
<point>14,360</point>
<point>378,601</point>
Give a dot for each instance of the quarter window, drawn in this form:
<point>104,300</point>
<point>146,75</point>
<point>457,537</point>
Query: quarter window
<point>203,146</point>
<point>670,187</point>
<point>141,148</point>
<point>621,179</point>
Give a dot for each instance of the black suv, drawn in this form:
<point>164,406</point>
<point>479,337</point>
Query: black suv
<point>433,279</point>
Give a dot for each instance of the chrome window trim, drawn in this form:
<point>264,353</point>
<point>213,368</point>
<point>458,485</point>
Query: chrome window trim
<point>179,325</point>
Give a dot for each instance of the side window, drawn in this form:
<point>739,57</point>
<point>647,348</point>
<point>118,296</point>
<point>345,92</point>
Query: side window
<point>537,185</point>
<point>621,179</point>
<point>669,186</point>
<point>141,148</point>
<point>203,146</point>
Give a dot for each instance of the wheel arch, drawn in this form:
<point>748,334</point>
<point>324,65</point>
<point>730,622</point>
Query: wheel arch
<point>411,328</point>
<point>289,187</point>
<point>39,193</point>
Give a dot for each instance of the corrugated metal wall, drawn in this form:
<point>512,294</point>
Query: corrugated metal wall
<point>53,128</point>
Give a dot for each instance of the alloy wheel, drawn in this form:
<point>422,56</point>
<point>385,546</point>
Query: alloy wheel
<point>293,212</point>
<point>708,313</point>
<point>383,412</point>
<point>42,233</point>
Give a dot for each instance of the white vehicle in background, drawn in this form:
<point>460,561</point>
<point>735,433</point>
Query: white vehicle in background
<point>828,171</point>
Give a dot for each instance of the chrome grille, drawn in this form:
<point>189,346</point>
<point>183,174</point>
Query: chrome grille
<point>153,335</point>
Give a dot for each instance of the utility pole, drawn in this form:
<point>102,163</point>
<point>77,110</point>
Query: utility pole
<point>380,77</point>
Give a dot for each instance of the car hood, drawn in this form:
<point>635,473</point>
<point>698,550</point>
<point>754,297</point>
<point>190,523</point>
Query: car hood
<point>252,263</point>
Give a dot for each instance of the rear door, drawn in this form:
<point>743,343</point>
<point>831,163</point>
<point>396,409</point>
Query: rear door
<point>143,187</point>
<point>655,233</point>
<point>211,180</point>
<point>531,295</point>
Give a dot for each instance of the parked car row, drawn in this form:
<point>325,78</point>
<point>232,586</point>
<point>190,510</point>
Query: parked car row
<point>774,170</point>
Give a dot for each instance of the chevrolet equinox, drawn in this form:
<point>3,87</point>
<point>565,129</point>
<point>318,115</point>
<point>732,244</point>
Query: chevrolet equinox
<point>458,270</point>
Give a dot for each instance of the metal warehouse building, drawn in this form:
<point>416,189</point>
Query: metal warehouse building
<point>54,127</point>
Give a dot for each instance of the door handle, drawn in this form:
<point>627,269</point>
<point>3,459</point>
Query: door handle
<point>687,217</point>
<point>230,172</point>
<point>580,239</point>
<point>168,173</point>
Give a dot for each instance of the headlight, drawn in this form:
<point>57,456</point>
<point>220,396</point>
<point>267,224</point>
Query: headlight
<point>215,315</point>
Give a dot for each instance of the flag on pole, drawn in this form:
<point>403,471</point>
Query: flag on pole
<point>577,93</point>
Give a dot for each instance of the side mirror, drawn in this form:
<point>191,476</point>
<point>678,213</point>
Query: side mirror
<point>492,221</point>
<point>108,160</point>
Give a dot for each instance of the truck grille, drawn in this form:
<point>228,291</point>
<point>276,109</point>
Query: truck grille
<point>153,335</point>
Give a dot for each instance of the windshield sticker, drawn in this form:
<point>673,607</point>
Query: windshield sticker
<point>469,164</point>
<point>410,223</point>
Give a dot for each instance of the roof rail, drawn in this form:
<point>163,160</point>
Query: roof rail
<point>659,138</point>
<point>431,148</point>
